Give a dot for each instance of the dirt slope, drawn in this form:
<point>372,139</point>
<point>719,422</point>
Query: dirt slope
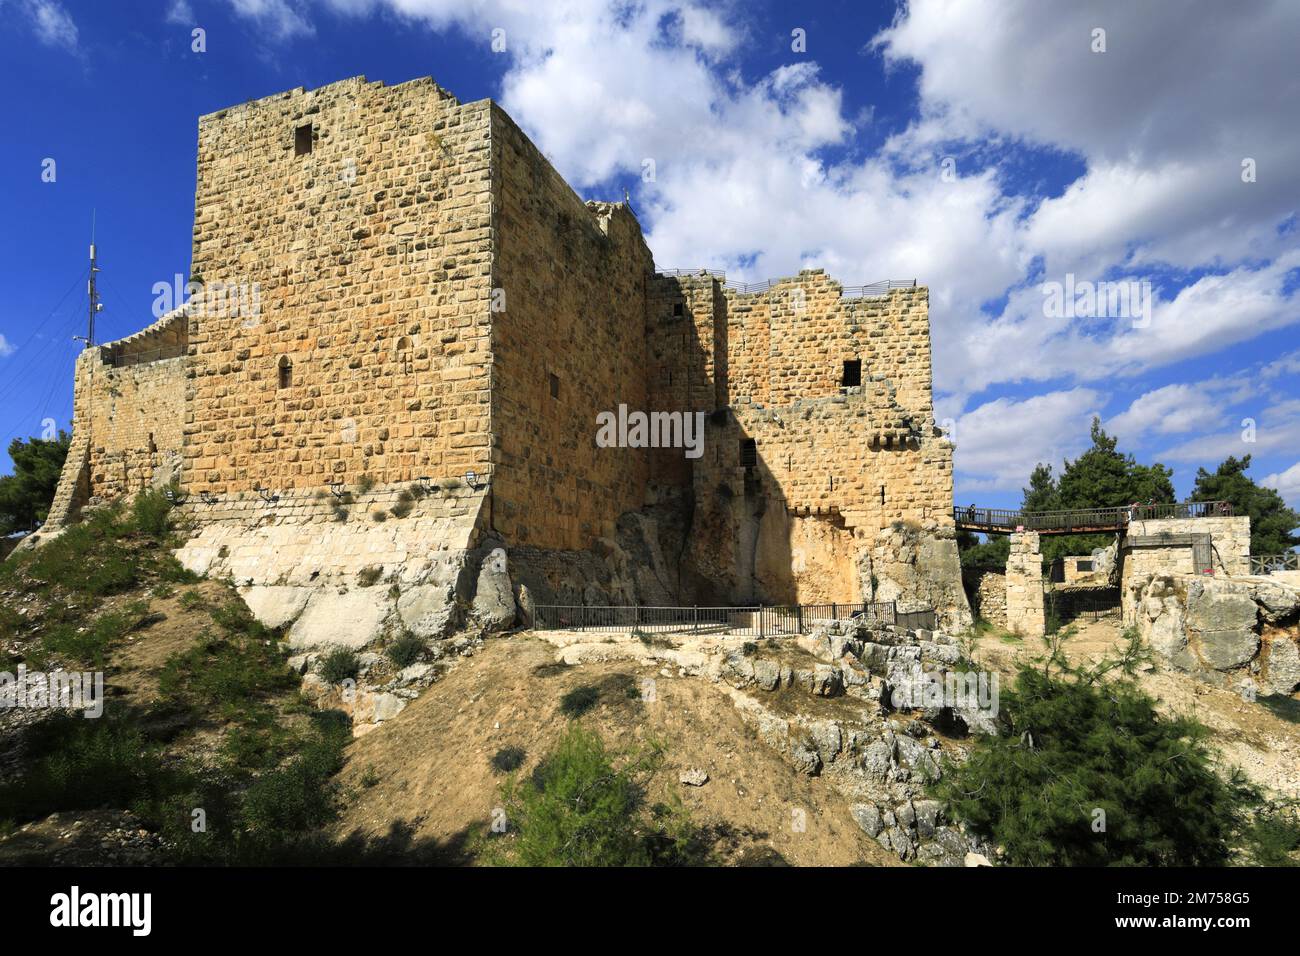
<point>436,787</point>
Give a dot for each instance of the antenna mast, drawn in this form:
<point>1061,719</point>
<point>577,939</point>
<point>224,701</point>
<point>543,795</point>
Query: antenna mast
<point>95,305</point>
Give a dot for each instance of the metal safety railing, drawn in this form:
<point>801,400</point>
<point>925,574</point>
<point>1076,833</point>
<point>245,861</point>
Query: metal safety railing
<point>1082,520</point>
<point>754,620</point>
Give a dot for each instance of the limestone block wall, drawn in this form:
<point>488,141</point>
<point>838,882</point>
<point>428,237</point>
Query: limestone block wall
<point>1025,612</point>
<point>989,598</point>
<point>368,350</point>
<point>569,344</point>
<point>127,418</point>
<point>1230,537</point>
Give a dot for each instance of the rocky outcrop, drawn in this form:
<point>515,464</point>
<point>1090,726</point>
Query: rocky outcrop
<point>918,568</point>
<point>1222,629</point>
<point>879,741</point>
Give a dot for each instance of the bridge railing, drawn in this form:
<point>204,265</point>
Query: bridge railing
<point>1268,563</point>
<point>1084,519</point>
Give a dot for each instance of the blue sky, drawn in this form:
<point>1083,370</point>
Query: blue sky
<point>987,148</point>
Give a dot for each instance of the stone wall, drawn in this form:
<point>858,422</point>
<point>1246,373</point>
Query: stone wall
<point>1025,612</point>
<point>568,345</point>
<point>989,598</point>
<point>368,351</point>
<point>1230,551</point>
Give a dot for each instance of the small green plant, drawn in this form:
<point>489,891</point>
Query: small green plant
<point>365,484</point>
<point>379,517</point>
<point>582,808</point>
<point>191,600</point>
<point>405,651</point>
<point>450,484</point>
<point>369,576</point>
<point>405,502</point>
<point>340,513</point>
<point>339,665</point>
<point>151,513</point>
<point>417,491</point>
<point>369,777</point>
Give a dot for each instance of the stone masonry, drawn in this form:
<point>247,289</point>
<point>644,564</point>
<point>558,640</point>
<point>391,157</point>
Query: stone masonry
<point>1025,612</point>
<point>430,299</point>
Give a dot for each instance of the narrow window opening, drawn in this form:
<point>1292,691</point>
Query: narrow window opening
<point>678,310</point>
<point>302,140</point>
<point>555,386</point>
<point>882,494</point>
<point>285,372</point>
<point>852,373</point>
<point>748,452</point>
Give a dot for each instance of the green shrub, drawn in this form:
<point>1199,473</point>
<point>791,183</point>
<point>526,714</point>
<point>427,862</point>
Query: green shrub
<point>370,576</point>
<point>297,796</point>
<point>89,643</point>
<point>405,502</point>
<point>405,651</point>
<point>1075,741</point>
<point>339,665</point>
<point>365,484</point>
<point>84,764</point>
<point>151,513</point>
<point>231,672</point>
<point>577,810</point>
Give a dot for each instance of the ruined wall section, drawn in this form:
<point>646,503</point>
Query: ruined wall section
<point>569,344</point>
<point>370,253</point>
<point>127,418</point>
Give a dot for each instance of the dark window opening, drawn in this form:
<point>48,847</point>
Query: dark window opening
<point>1083,566</point>
<point>286,373</point>
<point>748,452</point>
<point>852,373</point>
<point>678,310</point>
<point>555,386</point>
<point>302,140</point>
<point>882,494</point>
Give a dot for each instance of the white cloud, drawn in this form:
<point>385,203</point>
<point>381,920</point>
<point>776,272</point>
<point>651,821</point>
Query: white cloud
<point>6,348</point>
<point>180,12</point>
<point>1285,483</point>
<point>283,19</point>
<point>52,23</point>
<point>999,443</point>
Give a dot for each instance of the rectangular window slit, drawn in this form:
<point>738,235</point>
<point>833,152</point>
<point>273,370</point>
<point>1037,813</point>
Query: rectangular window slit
<point>852,373</point>
<point>302,140</point>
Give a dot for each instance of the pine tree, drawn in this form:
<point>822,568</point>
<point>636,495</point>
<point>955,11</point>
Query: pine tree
<point>1272,523</point>
<point>26,495</point>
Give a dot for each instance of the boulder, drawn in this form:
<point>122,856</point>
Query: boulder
<point>428,610</point>
<point>494,599</point>
<point>275,605</point>
<point>867,816</point>
<point>1282,668</point>
<point>1224,650</point>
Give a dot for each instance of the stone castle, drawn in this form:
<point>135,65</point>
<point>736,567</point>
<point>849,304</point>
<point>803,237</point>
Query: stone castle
<point>402,432</point>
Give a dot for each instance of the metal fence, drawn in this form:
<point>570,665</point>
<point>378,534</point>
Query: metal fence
<point>755,620</point>
<point>1068,604</point>
<point>1268,563</point>
<point>125,359</point>
<point>1082,520</point>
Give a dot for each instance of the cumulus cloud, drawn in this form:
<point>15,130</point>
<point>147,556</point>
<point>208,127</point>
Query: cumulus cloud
<point>6,348</point>
<point>1286,483</point>
<point>999,442</point>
